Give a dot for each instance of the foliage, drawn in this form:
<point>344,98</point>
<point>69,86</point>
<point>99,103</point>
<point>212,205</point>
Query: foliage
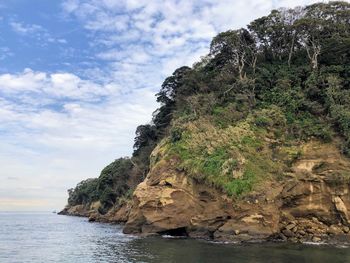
<point>85,192</point>
<point>233,159</point>
<point>107,188</point>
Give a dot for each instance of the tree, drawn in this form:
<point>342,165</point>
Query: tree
<point>339,104</point>
<point>235,48</point>
<point>275,34</point>
<point>310,34</point>
<point>167,98</point>
<point>171,84</point>
<point>289,17</point>
<point>145,136</point>
<point>320,23</point>
<point>84,193</point>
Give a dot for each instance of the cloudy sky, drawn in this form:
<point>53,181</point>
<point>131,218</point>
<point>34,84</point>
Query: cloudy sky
<point>78,76</point>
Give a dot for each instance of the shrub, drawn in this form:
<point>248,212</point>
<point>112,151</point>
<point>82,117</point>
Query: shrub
<point>175,134</point>
<point>346,147</point>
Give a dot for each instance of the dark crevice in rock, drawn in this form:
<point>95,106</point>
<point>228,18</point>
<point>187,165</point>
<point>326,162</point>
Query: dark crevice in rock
<point>168,184</point>
<point>177,232</point>
<point>211,235</point>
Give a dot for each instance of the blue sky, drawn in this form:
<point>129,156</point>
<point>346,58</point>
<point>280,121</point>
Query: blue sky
<point>78,76</point>
<point>36,34</point>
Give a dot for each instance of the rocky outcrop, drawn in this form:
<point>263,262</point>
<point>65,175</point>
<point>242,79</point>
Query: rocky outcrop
<point>309,202</point>
<point>169,202</point>
<point>118,214</point>
<point>77,210</point>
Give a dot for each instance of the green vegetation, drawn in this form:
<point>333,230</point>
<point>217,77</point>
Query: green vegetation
<point>85,192</point>
<point>236,118</point>
<point>234,158</point>
<point>111,185</point>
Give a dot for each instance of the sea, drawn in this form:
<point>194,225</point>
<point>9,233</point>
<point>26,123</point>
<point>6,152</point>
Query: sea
<point>33,237</point>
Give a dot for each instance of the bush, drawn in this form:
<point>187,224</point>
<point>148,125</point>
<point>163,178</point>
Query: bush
<point>262,121</point>
<point>346,147</point>
<point>227,158</point>
<point>84,193</point>
<point>175,134</point>
<point>107,199</point>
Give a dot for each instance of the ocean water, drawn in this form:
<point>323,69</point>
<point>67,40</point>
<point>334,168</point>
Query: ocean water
<point>47,237</point>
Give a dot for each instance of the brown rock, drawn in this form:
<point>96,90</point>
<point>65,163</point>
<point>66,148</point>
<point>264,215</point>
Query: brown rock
<point>302,232</point>
<point>310,230</point>
<point>92,218</point>
<point>295,229</point>
<point>288,233</point>
<point>290,226</point>
<point>121,215</point>
<point>341,209</point>
<point>334,230</point>
<point>316,239</point>
<point>294,240</point>
<point>283,237</point>
<point>162,208</point>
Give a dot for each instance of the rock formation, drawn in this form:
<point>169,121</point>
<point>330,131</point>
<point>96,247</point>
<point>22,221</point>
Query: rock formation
<point>310,204</point>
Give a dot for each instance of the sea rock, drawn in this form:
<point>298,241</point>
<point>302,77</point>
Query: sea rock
<point>78,210</point>
<point>335,230</point>
<point>316,239</point>
<point>341,208</point>
<point>290,226</point>
<point>92,218</point>
<point>288,233</point>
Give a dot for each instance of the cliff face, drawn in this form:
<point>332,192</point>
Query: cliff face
<point>310,203</point>
<point>302,193</point>
<point>249,144</point>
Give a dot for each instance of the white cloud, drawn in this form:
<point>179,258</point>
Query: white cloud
<point>35,31</point>
<point>70,5</point>
<point>163,30</point>
<point>40,86</point>
<point>25,29</point>
<point>49,143</point>
<point>5,52</point>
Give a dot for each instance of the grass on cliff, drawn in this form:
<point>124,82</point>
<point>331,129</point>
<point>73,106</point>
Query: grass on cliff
<point>233,159</point>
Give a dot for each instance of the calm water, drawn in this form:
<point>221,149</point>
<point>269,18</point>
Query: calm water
<point>46,237</point>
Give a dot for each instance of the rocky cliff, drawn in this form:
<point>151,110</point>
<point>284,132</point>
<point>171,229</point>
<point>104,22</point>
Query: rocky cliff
<point>310,204</point>
<point>251,143</point>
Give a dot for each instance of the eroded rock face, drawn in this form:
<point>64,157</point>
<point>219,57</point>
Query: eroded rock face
<point>168,201</point>
<point>310,203</point>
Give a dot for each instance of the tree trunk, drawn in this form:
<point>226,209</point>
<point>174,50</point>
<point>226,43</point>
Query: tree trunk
<point>291,50</point>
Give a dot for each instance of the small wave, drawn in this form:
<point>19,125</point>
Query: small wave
<point>314,243</point>
<point>173,237</point>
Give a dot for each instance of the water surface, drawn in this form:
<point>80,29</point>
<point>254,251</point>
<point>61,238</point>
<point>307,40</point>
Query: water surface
<point>47,237</point>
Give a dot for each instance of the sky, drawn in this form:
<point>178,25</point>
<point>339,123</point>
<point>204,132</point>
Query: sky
<point>78,76</point>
